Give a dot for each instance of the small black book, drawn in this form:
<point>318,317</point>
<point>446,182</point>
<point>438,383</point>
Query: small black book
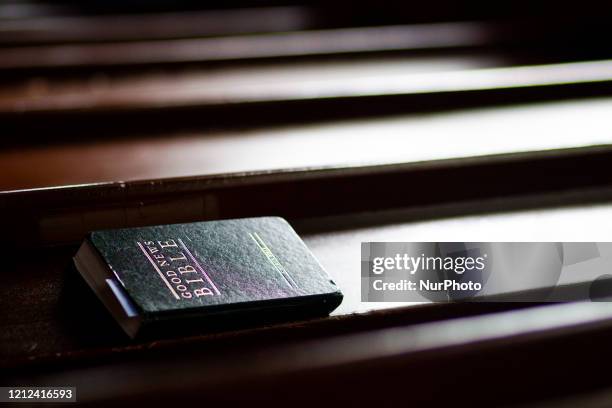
<point>205,272</point>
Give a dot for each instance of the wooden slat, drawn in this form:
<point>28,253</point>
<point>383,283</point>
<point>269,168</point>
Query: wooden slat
<point>315,42</point>
<point>484,353</point>
<point>102,108</point>
<point>250,84</point>
<point>127,156</point>
<point>126,27</point>
<point>56,215</point>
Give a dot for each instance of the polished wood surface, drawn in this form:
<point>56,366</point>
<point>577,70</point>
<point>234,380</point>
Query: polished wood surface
<point>70,338</point>
<point>398,139</point>
<point>49,29</point>
<point>341,80</point>
<point>496,345</point>
<point>150,89</point>
<point>52,295</point>
<point>431,122</point>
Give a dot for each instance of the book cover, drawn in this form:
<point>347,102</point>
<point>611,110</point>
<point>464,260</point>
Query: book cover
<point>215,268</point>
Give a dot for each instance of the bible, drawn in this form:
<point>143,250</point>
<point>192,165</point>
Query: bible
<point>205,273</point>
